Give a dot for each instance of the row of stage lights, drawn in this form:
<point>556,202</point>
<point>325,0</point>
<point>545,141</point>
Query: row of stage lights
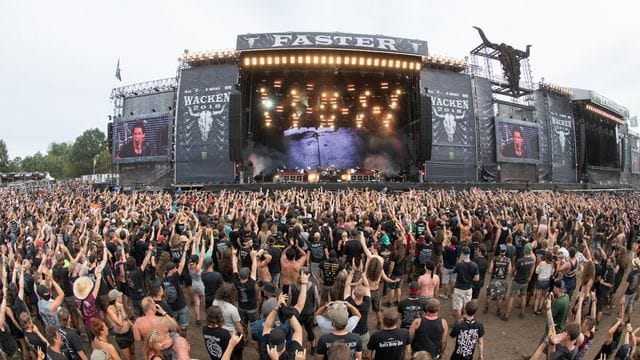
<point>331,60</point>
<point>560,90</point>
<point>447,61</point>
<point>604,114</point>
<point>209,55</point>
<point>328,107</point>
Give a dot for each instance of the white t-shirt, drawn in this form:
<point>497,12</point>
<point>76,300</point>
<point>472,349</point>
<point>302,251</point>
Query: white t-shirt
<point>230,314</point>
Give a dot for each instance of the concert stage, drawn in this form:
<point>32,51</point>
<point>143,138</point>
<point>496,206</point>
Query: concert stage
<point>290,109</point>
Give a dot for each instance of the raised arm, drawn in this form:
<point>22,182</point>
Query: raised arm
<point>302,298</point>
<point>347,285</point>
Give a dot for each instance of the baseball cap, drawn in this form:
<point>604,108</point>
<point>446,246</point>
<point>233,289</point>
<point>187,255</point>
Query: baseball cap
<point>244,273</point>
<point>559,284</point>
<point>113,294</point>
<point>338,314</point>
<point>502,248</point>
<point>42,291</point>
<point>194,258</point>
<point>527,249</point>
<point>277,338</point>
<point>207,262</point>
<point>98,354</point>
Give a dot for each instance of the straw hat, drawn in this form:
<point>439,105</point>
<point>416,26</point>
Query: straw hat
<point>82,287</point>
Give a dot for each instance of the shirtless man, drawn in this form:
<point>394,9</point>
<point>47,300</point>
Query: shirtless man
<point>464,224</point>
<point>375,272</point>
<point>543,229</point>
<point>164,324</point>
<point>290,266</point>
<point>429,281</point>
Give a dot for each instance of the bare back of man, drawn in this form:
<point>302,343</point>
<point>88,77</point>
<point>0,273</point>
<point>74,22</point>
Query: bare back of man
<point>428,284</point>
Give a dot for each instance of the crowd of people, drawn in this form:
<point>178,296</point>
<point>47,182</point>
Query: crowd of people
<point>300,274</point>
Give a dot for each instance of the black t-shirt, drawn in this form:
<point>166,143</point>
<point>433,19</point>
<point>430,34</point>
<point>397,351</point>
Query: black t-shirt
<point>247,299</point>
<point>633,279</point>
<point>53,355</point>
<point>316,250</point>
<point>173,292</point>
<point>483,264</point>
<point>424,252</point>
<point>353,250</point>
<point>465,272</point>
<point>398,264</point>
<point>288,354</point>
<point>351,339</point>
<point>467,333</point>
<point>411,309</point>
<point>245,257</point>
<point>215,341</point>
<point>389,344</point>
<point>274,264</point>
<point>524,265</point>
<point>562,353</point>
<point>61,276</point>
<point>364,308</point>
<point>135,283</point>
<point>35,340</point>
<point>624,353</point>
<point>212,281</point>
<point>71,343</point>
<point>330,270</point>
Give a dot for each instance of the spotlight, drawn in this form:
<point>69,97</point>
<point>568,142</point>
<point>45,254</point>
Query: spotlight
<point>268,103</point>
<point>293,91</point>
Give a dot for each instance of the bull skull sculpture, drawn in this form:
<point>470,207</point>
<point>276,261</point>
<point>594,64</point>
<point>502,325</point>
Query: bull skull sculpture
<point>562,137</point>
<point>205,120</point>
<point>450,122</point>
<point>251,40</point>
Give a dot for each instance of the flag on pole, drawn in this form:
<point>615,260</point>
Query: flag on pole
<point>118,71</point>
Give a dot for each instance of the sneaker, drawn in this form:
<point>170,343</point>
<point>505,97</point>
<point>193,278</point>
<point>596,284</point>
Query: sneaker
<point>443,296</point>
<point>504,318</point>
<point>198,322</point>
<point>395,303</point>
<point>387,304</point>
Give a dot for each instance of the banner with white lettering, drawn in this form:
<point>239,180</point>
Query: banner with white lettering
<point>311,40</point>
<point>452,114</point>
<point>202,124</point>
<point>635,161</point>
<point>563,141</point>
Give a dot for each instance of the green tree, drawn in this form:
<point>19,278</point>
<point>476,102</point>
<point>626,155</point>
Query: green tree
<point>33,163</point>
<point>103,162</point>
<point>86,149</point>
<point>4,156</point>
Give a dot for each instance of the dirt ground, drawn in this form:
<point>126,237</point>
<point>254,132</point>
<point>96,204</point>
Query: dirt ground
<point>503,340</point>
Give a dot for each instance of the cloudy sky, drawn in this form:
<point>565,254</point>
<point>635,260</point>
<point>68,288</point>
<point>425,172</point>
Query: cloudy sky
<point>58,58</point>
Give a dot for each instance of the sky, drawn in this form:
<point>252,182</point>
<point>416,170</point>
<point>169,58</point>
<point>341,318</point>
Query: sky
<point>58,58</point>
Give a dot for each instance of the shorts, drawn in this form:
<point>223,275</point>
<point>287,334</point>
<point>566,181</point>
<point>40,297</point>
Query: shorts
<point>364,338</point>
<point>496,289</point>
<point>181,316</point>
<point>197,287</point>
<point>395,285</point>
<point>628,302</point>
<point>518,289</point>
<point>448,277</point>
<point>124,340</point>
<point>475,292</point>
<point>603,298</point>
<point>248,316</point>
<point>306,321</point>
<point>543,284</point>
<point>376,299</point>
<point>315,271</point>
<point>460,298</point>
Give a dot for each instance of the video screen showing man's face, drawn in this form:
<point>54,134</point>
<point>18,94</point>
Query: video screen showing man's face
<point>138,140</point>
<point>517,141</point>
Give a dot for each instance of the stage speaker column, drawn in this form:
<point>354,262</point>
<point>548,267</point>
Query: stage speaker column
<point>236,127</point>
<point>583,145</point>
<point>426,129</point>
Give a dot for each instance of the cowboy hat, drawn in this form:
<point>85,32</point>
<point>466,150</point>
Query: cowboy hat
<point>82,287</point>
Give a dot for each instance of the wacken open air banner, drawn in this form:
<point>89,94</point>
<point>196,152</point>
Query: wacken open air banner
<point>202,129</point>
<point>562,133</point>
<point>452,116</point>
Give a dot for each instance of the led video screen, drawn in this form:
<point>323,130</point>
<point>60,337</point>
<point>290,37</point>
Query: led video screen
<point>517,141</point>
<point>143,138</point>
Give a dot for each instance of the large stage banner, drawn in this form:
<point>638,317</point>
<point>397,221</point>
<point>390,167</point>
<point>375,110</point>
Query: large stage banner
<point>311,40</point>
<point>635,161</point>
<point>453,116</point>
<point>563,141</point>
<point>142,138</point>
<point>486,130</point>
<point>202,124</point>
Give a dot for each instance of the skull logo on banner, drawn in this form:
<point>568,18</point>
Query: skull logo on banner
<point>562,137</point>
<point>205,120</point>
<point>450,122</point>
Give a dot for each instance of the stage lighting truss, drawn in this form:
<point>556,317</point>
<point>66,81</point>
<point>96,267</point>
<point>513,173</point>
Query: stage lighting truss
<point>557,89</point>
<point>604,114</point>
<point>445,62</point>
<point>223,56</point>
<point>351,60</point>
<point>145,88</point>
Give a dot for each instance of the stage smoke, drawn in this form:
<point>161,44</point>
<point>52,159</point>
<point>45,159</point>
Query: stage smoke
<point>383,163</point>
<point>265,161</point>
